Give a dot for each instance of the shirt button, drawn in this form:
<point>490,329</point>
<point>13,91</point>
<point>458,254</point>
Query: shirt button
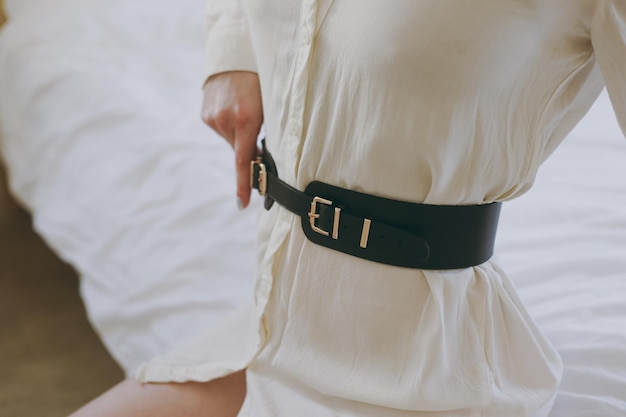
<point>264,287</point>
<point>294,129</point>
<point>307,36</point>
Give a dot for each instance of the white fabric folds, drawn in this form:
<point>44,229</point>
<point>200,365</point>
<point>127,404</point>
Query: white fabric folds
<point>440,102</point>
<point>99,105</point>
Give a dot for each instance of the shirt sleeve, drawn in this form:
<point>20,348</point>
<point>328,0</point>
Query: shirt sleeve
<point>608,37</point>
<point>228,40</point>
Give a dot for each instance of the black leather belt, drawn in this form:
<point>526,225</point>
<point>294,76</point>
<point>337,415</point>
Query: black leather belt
<point>382,230</point>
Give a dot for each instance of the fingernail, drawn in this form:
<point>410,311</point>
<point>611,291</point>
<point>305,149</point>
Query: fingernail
<point>240,204</point>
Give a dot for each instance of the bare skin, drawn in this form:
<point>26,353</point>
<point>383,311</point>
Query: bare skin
<point>232,107</point>
<point>218,398</point>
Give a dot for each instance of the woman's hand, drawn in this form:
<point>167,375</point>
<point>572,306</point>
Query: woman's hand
<point>232,107</point>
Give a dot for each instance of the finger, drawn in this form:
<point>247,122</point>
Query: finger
<point>245,151</point>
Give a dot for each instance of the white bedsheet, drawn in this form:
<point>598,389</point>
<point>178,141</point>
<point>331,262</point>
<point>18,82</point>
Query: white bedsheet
<point>569,234</point>
<point>99,109</point>
<point>104,143</point>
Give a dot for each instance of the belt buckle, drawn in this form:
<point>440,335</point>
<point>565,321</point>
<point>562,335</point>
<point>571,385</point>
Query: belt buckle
<point>313,215</point>
<point>262,175</point>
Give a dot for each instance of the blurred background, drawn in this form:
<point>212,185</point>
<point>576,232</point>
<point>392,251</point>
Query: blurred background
<point>127,239</point>
<point>51,360</point>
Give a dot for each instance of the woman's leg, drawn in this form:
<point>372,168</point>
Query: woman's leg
<point>221,397</point>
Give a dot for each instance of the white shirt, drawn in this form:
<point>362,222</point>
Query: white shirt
<point>431,101</point>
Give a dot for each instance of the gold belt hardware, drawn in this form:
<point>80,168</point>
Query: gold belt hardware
<point>262,175</point>
<point>313,215</point>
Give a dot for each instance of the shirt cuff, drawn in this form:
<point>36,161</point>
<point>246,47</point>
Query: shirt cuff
<point>229,49</point>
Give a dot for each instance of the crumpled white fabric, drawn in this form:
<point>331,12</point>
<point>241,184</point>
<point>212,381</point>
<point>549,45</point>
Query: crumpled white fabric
<point>101,133</point>
<point>564,246</point>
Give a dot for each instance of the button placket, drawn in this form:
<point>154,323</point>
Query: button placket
<point>294,128</point>
<point>307,35</point>
<point>290,148</point>
<point>307,20</point>
<point>289,153</point>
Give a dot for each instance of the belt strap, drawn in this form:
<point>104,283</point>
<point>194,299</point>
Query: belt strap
<point>382,230</point>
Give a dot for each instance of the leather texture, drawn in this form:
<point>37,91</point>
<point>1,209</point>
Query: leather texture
<point>401,233</point>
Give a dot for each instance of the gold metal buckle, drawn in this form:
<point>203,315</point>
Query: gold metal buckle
<point>262,176</point>
<point>313,215</point>
<point>365,233</point>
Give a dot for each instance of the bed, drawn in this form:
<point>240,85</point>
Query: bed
<point>102,142</point>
